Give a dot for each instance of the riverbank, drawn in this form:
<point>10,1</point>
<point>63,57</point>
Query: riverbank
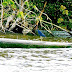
<point>16,40</point>
<point>14,43</point>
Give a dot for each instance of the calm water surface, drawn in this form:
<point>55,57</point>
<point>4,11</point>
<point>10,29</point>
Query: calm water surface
<point>36,60</point>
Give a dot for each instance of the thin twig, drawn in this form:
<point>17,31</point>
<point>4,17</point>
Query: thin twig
<point>47,30</point>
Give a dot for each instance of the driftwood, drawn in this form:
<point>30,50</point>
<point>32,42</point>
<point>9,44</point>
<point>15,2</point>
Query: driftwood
<point>9,19</point>
<point>30,42</point>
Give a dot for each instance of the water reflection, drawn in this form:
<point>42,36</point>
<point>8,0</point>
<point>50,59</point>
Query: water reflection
<point>35,60</point>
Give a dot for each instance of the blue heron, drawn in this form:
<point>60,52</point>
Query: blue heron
<point>39,32</point>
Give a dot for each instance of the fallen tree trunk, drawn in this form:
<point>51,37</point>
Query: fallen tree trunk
<point>30,42</point>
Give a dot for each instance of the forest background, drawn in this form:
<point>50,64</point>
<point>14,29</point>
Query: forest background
<point>55,12</point>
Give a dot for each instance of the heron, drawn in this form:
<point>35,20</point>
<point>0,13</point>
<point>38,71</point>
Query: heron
<point>39,32</point>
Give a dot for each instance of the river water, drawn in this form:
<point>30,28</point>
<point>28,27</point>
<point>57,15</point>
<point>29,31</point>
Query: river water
<point>36,60</point>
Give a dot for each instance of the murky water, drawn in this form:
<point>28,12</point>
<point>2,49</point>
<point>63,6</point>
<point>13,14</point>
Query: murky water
<point>36,60</point>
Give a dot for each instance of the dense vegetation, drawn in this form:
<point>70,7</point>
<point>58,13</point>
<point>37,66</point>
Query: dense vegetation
<point>60,11</point>
<point>22,15</point>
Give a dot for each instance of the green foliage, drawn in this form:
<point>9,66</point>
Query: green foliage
<point>5,4</point>
<point>34,6</point>
<point>5,14</point>
<point>12,2</point>
<point>26,3</point>
<point>20,14</point>
<point>70,20</point>
<point>60,20</point>
<point>9,2</point>
<point>63,10</point>
<point>57,9</point>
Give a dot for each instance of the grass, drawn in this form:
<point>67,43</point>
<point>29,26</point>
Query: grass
<point>17,45</point>
<point>27,37</point>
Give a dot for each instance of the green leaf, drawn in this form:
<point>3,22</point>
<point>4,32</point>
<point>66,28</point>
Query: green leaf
<point>26,3</point>
<point>8,1</point>
<point>13,6</point>
<point>60,20</point>
<point>4,0</point>
<point>65,12</point>
<point>35,7</point>
<point>70,20</point>
<point>11,2</point>
<point>5,14</point>
<point>4,4</point>
<point>20,14</point>
<point>69,14</point>
<point>62,7</point>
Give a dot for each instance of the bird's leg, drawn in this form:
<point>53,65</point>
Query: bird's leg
<point>41,38</point>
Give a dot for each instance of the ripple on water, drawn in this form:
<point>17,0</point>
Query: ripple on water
<point>35,60</point>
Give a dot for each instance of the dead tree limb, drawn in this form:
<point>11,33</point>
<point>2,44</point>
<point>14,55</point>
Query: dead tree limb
<point>1,24</point>
<point>58,27</point>
<point>40,17</point>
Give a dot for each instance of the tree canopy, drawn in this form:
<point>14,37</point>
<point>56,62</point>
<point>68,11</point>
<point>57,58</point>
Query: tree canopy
<point>22,15</point>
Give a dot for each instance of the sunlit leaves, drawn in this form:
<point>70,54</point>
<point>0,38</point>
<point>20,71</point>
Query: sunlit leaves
<point>62,7</point>
<point>26,3</point>
<point>20,14</point>
<point>34,6</point>
<point>6,14</point>
<point>70,20</point>
<point>13,6</point>
<point>60,20</point>
<point>65,12</point>
<point>9,2</point>
<point>6,0</point>
<point>5,4</point>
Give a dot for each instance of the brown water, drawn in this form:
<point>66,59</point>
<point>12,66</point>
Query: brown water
<point>35,60</point>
